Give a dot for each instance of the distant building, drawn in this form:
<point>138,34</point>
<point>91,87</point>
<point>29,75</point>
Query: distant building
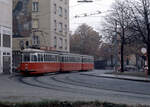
<point>5,36</point>
<point>42,24</point>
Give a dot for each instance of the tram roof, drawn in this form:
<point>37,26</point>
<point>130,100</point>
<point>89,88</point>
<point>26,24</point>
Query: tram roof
<point>30,50</point>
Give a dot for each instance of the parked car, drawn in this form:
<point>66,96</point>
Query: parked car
<point>130,68</point>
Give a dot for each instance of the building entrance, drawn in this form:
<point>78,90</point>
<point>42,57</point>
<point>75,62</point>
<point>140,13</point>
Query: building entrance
<point>6,64</point>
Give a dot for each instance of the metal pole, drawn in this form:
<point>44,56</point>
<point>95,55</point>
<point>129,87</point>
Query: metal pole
<point>115,48</point>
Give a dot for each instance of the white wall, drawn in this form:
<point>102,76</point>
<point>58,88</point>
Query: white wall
<point>5,27</point>
<point>6,13</point>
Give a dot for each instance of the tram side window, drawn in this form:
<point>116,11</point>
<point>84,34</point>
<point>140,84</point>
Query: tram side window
<point>75,59</point>
<point>60,58</point>
<point>48,57</point>
<point>67,59</point>
<point>85,60</point>
<point>70,59</point>
<point>45,57</point>
<point>34,58</point>
<point>78,59</point>
<point>40,57</point>
<point>57,58</point>
<point>53,58</point>
<point>26,58</point>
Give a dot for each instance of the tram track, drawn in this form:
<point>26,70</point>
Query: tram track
<point>69,83</point>
<point>75,82</point>
<point>35,82</point>
<point>66,87</point>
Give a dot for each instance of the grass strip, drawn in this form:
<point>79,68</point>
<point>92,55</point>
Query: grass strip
<point>66,104</point>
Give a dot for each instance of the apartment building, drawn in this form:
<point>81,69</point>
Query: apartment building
<point>42,24</point>
<point>5,36</point>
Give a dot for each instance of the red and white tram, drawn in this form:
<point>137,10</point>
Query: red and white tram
<point>40,61</point>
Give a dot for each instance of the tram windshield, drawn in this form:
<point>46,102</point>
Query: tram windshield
<point>26,57</point>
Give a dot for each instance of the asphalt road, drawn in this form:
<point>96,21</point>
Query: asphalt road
<point>75,86</point>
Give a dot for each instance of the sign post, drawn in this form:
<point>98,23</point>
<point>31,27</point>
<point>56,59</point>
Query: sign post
<point>144,51</point>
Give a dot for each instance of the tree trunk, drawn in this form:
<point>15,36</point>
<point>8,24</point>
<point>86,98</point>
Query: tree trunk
<point>122,49</point>
<point>122,59</point>
<point>148,58</point>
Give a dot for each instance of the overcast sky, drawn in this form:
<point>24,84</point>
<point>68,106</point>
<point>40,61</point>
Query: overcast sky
<point>79,9</point>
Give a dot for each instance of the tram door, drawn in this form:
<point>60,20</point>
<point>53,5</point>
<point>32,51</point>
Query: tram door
<point>6,64</point>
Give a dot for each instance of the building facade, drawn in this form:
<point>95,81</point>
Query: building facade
<point>42,24</point>
<point>5,36</point>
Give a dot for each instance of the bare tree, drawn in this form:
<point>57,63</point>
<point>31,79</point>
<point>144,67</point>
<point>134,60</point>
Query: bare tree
<point>118,21</point>
<point>141,27</point>
<point>85,40</point>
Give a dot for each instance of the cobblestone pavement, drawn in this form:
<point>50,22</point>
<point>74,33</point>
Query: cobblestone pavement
<point>73,87</point>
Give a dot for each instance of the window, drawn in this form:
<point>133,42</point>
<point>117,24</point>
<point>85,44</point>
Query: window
<point>26,57</point>
<point>27,43</point>
<point>35,40</point>
<point>65,13</point>
<point>55,42</point>
<point>60,11</point>
<point>35,6</point>
<point>55,25</point>
<point>60,43</point>
<point>66,30</point>
<point>65,1</point>
<point>21,44</point>
<point>0,39</point>
<point>66,44</point>
<point>35,23</point>
<point>55,8</point>
<point>60,27</point>
<point>6,41</point>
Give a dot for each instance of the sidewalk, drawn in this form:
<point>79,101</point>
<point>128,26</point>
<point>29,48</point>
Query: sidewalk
<point>98,73</point>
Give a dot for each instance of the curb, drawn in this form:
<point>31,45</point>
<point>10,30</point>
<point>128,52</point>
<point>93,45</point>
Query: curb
<point>130,79</point>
